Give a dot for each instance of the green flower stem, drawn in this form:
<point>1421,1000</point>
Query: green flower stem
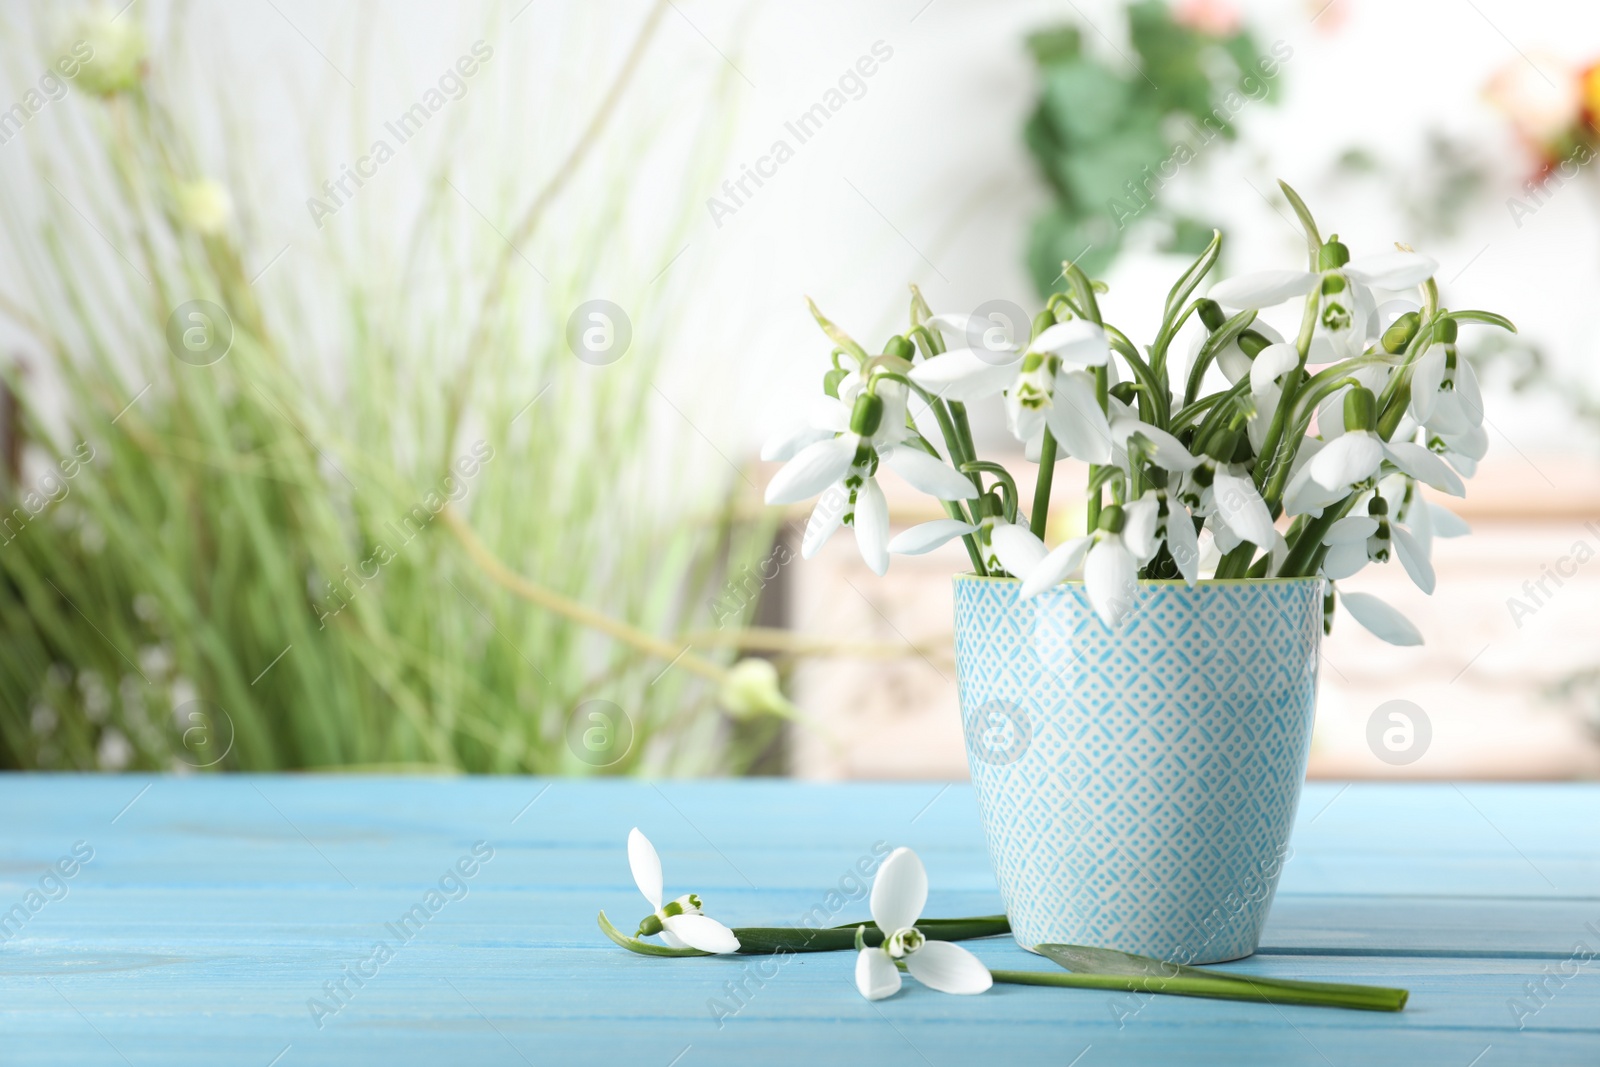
<point>1268,461</point>
<point>1039,517</point>
<point>1231,987</point>
<point>953,443</point>
<point>1305,552</point>
<point>769,940</point>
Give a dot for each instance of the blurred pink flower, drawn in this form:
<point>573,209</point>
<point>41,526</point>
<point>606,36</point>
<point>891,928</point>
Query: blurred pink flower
<point>1218,18</point>
<point>1540,94</point>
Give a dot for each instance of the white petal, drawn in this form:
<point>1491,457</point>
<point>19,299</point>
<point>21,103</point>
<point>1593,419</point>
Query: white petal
<point>1467,389</point>
<point>1140,520</point>
<point>899,892</point>
<point>646,867</point>
<point>1474,444</point>
<point>1263,289</point>
<point>794,437</point>
<point>948,968</point>
<point>927,536</point>
<point>1112,577</point>
<point>1270,363</point>
<point>1351,529</point>
<point>1348,459</point>
<point>1062,561</point>
<point>1183,543</point>
<point>1425,467</point>
<point>872,526</point>
<point>672,940</point>
<point>1445,522</point>
<point>1017,549</point>
<point>876,975</point>
<point>1305,496</point>
<point>701,932</point>
<point>1414,558</point>
<point>1076,419</point>
<point>1345,559</point>
<point>929,474</point>
<point>1383,621</point>
<point>1241,507</point>
<point>1079,343</point>
<point>1166,450</point>
<point>966,374</point>
<point>813,470</point>
<point>826,518</point>
<point>1392,270</point>
<point>1427,374</point>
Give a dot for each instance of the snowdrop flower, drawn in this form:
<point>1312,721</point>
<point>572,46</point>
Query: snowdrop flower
<point>1444,391</point>
<point>1347,302</point>
<point>898,894</point>
<point>1356,455</point>
<point>1046,382</point>
<point>1160,448</point>
<point>1356,540</point>
<point>844,469</point>
<point>1225,495</point>
<point>1266,387</point>
<point>679,922</point>
<point>1127,539</point>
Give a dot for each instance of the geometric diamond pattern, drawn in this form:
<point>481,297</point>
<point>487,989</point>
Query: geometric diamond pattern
<point>1140,797</point>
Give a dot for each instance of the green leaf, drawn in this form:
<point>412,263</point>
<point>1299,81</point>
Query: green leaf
<point>1313,238</point>
<point>1085,100</point>
<point>838,336</point>
<point>1191,278</point>
<point>1488,318</point>
<point>1177,978</point>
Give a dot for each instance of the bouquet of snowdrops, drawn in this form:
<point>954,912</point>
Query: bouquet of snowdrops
<point>1308,461</point>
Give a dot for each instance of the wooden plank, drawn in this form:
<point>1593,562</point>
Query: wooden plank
<point>214,909</point>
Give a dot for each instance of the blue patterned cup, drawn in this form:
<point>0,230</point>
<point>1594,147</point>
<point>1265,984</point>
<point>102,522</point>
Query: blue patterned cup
<point>1138,785</point>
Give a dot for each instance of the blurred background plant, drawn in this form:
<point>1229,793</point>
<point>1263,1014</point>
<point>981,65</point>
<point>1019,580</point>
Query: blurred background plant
<point>236,534</point>
<point>1109,133</point>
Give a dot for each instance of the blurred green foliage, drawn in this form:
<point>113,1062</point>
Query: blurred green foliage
<point>1108,133</point>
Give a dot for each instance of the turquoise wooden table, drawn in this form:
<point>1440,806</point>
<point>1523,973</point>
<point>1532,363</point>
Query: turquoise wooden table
<point>297,920</point>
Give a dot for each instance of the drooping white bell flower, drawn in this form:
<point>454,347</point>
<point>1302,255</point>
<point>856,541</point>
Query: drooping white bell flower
<point>1347,303</point>
<point>898,895</point>
<point>681,923</point>
<point>1379,619</point>
<point>1011,547</point>
<point>1232,360</point>
<point>1356,540</point>
<point>1463,451</point>
<point>1444,390</point>
<point>1355,456</point>
<point>1266,388</point>
<point>1046,382</point>
<point>844,469</point>
<point>1126,539</point>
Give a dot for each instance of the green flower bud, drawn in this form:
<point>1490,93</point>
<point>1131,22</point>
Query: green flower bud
<point>992,504</point>
<point>649,926</point>
<point>1112,519</point>
<point>1032,362</point>
<point>1332,255</point>
<point>1377,506</point>
<point>1360,409</point>
<point>1210,313</point>
<point>866,415</point>
<point>1043,321</point>
<point>750,689</point>
<point>118,53</point>
<point>1251,343</point>
<point>1445,331</point>
<point>831,380</point>
<point>1398,336</point>
<point>900,348</point>
<point>1126,392</point>
<point>1333,284</point>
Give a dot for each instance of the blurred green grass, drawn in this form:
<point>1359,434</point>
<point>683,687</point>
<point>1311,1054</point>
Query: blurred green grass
<point>191,567</point>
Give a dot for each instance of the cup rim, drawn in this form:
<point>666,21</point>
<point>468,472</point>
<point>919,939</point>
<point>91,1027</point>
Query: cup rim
<point>968,576</point>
